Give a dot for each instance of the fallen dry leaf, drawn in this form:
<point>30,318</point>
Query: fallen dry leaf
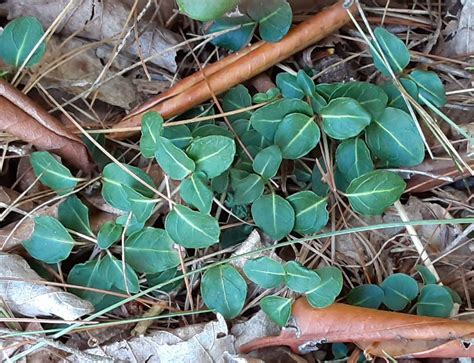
<point>194,343</point>
<point>351,324</point>
<point>99,20</point>
<point>33,299</point>
<point>22,118</point>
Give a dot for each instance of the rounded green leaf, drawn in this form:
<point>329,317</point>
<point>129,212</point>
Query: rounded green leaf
<point>372,193</point>
<point>395,139</point>
<point>367,296</point>
<point>235,39</point>
<point>305,83</point>
<point>179,135</point>
<point>426,274</point>
<point>191,229</point>
<point>123,279</point>
<point>220,183</point>
<point>311,214</point>
<point>109,233</point>
<point>399,290</point>
<point>131,223</point>
<point>141,207</point>
<point>267,119</point>
<point>206,10</point>
<point>393,48</point>
<point>224,290</point>
<point>196,192</point>
<point>395,98</point>
<point>211,129</point>
<point>277,308</point>
<point>317,102</point>
<point>434,301</point>
<point>344,118</point>
<point>373,98</point>
<point>430,87</point>
<point>73,214</point>
<point>274,18</point>
<point>328,289</point>
<point>163,277</point>
<point>212,154</point>
<point>297,135</point>
<point>113,180</point>
<point>173,160</point>
<point>265,272</point>
<point>267,162</point>
<point>89,274</point>
<point>236,98</point>
<point>241,126</point>
<point>19,38</point>
<point>248,189</point>
<point>289,86</point>
<point>52,173</point>
<point>353,158</point>
<point>150,251</point>
<point>152,128</point>
<point>274,215</point>
<point>299,278</point>
<point>50,241</point>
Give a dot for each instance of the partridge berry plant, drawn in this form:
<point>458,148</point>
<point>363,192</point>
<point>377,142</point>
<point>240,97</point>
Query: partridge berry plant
<point>234,166</point>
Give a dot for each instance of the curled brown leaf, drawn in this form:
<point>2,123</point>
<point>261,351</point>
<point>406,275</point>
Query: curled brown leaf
<point>22,118</point>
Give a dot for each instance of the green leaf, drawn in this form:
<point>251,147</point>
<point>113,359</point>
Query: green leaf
<point>196,192</point>
<point>430,87</point>
<point>109,233</point>
<point>328,289</point>
<point>173,160</point>
<point>277,308</point>
<point>289,86</point>
<point>236,98</point>
<point>150,251</point>
<point>274,18</point>
<point>206,10</point>
<point>434,301</point>
<point>152,128</point>
<point>305,83</point>
<point>248,189</point>
<point>162,277</point>
<point>141,207</point>
<point>395,52</point>
<point>267,162</point>
<point>327,89</point>
<point>274,215</point>
<point>267,119</point>
<point>130,222</point>
<point>353,158</point>
<point>317,185</point>
<point>428,277</point>
<point>456,298</point>
<point>97,155</point>
<point>212,154</point>
<point>399,290</point>
<point>317,102</point>
<point>224,290</point>
<point>296,135</point>
<point>179,135</point>
<point>52,173</point>
<point>113,271</point>
<point>310,211</point>
<point>210,129</point>
<point>89,274</point>
<point>367,296</point>
<point>372,193</point>
<point>19,38</point>
<point>341,181</point>
<point>373,98</point>
<point>50,241</point>
<point>344,118</point>
<point>220,183</point>
<point>235,235</point>
<point>254,138</point>
<point>191,229</point>
<point>269,96</point>
<point>113,180</point>
<point>73,214</point>
<point>265,272</point>
<point>299,278</point>
<point>395,98</point>
<point>395,139</point>
<point>235,39</point>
